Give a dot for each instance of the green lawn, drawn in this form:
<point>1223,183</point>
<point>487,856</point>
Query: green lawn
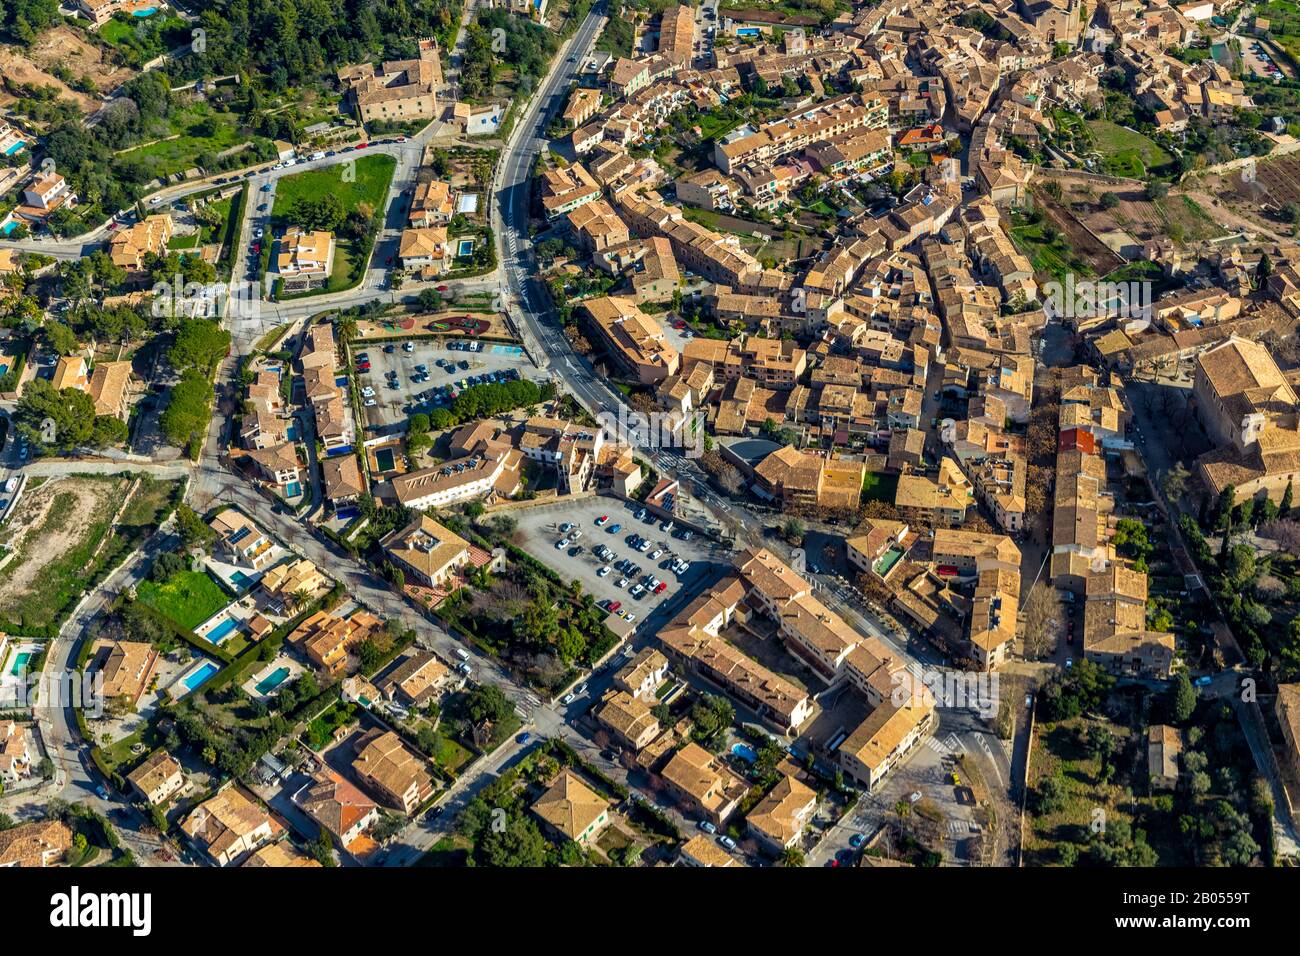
<point>369,180</point>
<point>1124,152</point>
<point>369,184</point>
<point>209,234</point>
<point>188,597</point>
<point>879,487</point>
<point>1054,259</point>
<point>198,131</point>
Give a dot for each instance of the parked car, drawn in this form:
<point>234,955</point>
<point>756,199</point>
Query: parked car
<point>707,827</point>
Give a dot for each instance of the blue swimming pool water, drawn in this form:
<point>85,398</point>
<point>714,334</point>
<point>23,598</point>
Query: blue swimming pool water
<point>291,433</point>
<point>293,489</point>
<point>146,12</point>
<point>744,752</point>
<point>15,148</point>
<point>201,675</point>
<point>466,246</point>
<point>273,680</point>
<point>8,228</point>
<point>239,579</point>
<point>341,450</point>
<point>347,514</point>
<point>341,381</point>
<point>222,630</point>
<point>4,368</point>
<point>20,662</point>
<point>507,349</point>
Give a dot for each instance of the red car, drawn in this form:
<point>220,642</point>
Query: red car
<point>601,520</point>
<point>615,605</point>
<point>662,587</point>
<point>362,145</point>
<point>442,288</point>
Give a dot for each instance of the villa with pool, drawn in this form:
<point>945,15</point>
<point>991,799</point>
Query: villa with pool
<point>99,12</point>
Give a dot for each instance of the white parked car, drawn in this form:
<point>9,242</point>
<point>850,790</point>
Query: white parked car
<point>561,544</point>
<point>603,571</point>
<point>638,590</point>
<point>656,554</point>
<point>370,403</point>
<point>621,583</point>
<point>368,392</point>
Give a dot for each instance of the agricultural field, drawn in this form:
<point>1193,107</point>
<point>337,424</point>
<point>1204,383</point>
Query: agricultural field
<point>1135,217</point>
<point>1125,152</point>
<point>1284,24</point>
<point>199,133</point>
<point>1048,251</point>
<point>63,537</point>
<point>1270,183</point>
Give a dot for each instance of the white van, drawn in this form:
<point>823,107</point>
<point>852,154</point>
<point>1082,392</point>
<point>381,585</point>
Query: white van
<point>462,653</point>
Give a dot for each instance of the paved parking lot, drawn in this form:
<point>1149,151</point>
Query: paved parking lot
<point>392,405</point>
<point>539,532</point>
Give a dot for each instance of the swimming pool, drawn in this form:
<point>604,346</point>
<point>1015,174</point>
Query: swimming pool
<point>385,459</point>
<point>20,662</point>
<point>200,675</point>
<point>273,680</point>
<point>15,148</point>
<point>744,752</point>
<point>291,433</point>
<point>507,350</point>
<point>293,489</point>
<point>8,228</point>
<point>222,630</point>
<point>465,247</point>
<point>146,12</point>
<point>239,579</point>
